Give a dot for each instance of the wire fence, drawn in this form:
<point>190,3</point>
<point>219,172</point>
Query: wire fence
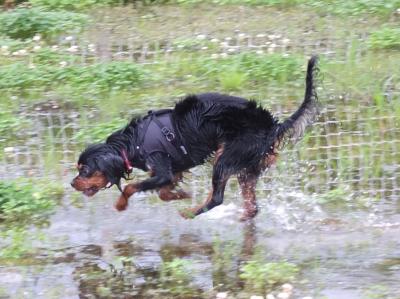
<point>354,149</point>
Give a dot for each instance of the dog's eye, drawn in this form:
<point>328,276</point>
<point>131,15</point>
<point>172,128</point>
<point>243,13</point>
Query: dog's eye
<point>84,171</point>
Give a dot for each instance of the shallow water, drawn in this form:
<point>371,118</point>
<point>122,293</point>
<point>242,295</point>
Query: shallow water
<point>92,250</point>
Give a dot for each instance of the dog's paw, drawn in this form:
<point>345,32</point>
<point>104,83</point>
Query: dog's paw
<point>187,213</point>
<point>248,216</point>
<point>121,204</point>
<point>182,194</point>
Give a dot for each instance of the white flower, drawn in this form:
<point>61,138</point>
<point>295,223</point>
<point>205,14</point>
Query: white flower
<point>228,38</point>
<point>260,35</point>
<point>241,35</point>
<point>8,149</point>
<point>36,48</point>
<point>256,297</point>
<point>73,49</point>
<point>224,55</point>
<point>270,296</point>
<point>63,63</point>
<point>54,48</point>
<point>204,48</point>
<point>260,52</point>
<point>271,36</point>
<point>214,56</point>
<point>214,40</point>
<point>23,52</point>
<point>285,41</point>
<point>31,66</point>
<point>201,36</point>
<point>4,48</point>
<point>222,295</point>
<point>69,38</point>
<point>283,295</point>
<point>36,38</point>
<point>287,288</point>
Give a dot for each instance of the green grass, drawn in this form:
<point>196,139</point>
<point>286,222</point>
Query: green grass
<point>23,23</point>
<point>23,199</point>
<point>385,38</point>
<point>261,277</point>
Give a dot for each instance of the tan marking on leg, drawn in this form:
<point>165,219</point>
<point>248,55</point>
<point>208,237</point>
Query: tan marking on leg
<point>248,186</point>
<point>122,201</point>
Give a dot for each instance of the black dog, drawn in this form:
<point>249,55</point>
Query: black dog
<point>243,137</point>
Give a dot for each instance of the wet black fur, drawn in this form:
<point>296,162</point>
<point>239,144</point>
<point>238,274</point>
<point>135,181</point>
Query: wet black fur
<point>205,122</point>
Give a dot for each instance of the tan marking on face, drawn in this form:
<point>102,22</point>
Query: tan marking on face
<point>90,185</point>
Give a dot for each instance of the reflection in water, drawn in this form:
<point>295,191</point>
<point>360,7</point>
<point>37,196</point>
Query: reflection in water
<point>126,278</point>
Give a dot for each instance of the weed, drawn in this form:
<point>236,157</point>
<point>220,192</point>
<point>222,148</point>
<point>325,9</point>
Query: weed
<point>263,277</point>
<point>175,278</point>
<point>232,80</point>
<point>77,5</point>
<point>21,200</point>
<point>24,23</point>
<point>98,77</point>
<point>385,38</point>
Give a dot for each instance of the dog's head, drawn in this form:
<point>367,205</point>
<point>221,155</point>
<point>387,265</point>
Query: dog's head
<point>99,166</point>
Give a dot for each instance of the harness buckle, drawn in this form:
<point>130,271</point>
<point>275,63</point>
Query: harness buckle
<point>168,134</point>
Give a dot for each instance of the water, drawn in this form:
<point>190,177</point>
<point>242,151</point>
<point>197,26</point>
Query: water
<point>331,206</point>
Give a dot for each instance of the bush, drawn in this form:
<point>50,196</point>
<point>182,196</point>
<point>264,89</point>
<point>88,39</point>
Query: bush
<point>385,38</point>
<point>26,198</point>
<point>23,23</point>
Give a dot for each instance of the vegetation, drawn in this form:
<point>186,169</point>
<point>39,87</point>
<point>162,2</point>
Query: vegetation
<point>385,38</point>
<point>26,199</point>
<point>175,278</point>
<point>262,277</point>
<point>24,23</point>
<point>50,54</point>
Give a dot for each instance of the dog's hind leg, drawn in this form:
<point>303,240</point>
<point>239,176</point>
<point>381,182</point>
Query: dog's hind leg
<point>248,182</point>
<point>216,195</point>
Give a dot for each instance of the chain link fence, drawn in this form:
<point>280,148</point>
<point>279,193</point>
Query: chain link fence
<point>352,148</point>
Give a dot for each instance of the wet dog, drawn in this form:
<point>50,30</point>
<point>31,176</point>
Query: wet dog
<point>242,137</point>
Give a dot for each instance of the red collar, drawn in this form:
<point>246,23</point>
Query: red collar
<point>128,165</point>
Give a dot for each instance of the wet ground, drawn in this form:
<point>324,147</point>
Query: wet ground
<point>344,249</point>
<point>94,251</point>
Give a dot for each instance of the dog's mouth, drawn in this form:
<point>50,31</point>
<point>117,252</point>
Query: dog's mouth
<point>89,192</point>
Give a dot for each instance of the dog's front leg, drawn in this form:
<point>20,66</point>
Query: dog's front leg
<point>122,201</point>
<point>160,165</point>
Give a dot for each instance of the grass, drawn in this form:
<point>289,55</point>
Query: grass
<point>260,276</point>
<point>25,199</point>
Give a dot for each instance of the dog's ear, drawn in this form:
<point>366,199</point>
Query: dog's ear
<point>112,166</point>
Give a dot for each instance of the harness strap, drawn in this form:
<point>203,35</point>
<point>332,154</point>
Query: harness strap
<point>170,136</point>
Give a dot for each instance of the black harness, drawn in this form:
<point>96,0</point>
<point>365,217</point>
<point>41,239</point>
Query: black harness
<point>156,133</point>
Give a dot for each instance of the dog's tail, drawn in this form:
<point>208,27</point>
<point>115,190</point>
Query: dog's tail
<point>294,127</point>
